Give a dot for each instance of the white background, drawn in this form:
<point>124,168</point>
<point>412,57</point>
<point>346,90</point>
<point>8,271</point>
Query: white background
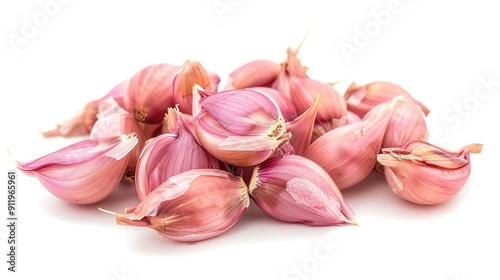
<point>439,52</point>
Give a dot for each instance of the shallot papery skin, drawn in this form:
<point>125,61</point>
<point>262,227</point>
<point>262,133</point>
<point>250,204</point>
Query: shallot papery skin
<point>114,120</point>
<point>240,127</point>
<point>304,90</point>
<point>85,172</point>
<point>83,120</point>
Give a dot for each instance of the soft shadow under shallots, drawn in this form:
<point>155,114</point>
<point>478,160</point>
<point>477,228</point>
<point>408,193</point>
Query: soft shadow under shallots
<point>123,196</point>
<point>374,197</point>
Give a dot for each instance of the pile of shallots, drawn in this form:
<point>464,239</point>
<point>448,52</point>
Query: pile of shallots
<point>198,154</point>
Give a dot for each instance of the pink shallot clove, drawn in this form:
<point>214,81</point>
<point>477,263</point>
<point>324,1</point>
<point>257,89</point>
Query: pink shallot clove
<point>297,190</point>
<point>191,206</point>
<point>85,172</point>
<point>349,153</point>
<point>361,99</point>
<point>407,123</point>
<point>191,74</point>
<point>256,73</point>
<point>240,127</point>
<point>149,93</point>
<point>426,174</point>
<point>168,154</point>
<point>284,103</point>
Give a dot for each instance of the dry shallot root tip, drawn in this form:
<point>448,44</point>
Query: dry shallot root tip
<point>85,172</point>
<point>140,115</point>
<point>297,50</point>
<point>107,211</point>
<point>336,82</point>
<point>426,174</point>
<point>130,175</point>
<point>290,67</point>
<point>349,153</point>
<point>297,190</point>
<point>240,127</point>
<point>174,151</point>
<point>149,93</point>
<point>121,220</point>
<point>379,167</point>
<point>211,202</point>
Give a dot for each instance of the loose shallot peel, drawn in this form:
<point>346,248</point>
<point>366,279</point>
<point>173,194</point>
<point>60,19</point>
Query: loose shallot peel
<point>114,120</point>
<point>84,119</point>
